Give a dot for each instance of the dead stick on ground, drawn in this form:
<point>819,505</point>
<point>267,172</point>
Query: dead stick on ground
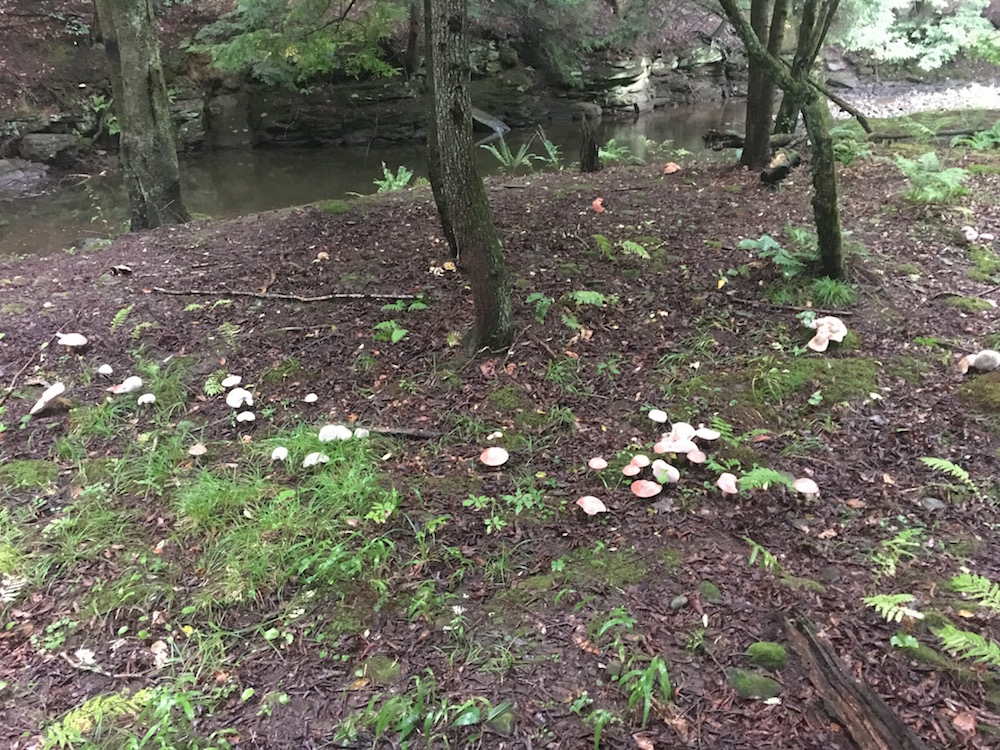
<point>10,388</point>
<point>407,432</point>
<point>276,295</point>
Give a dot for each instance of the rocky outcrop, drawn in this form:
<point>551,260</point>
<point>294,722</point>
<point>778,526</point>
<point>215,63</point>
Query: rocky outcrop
<point>21,179</point>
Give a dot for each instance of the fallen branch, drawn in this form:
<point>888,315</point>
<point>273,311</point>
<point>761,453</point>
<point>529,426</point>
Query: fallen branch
<point>865,716</point>
<point>277,295</point>
<point>409,432</point>
<point>790,308</point>
<point>10,388</point>
<point>852,111</point>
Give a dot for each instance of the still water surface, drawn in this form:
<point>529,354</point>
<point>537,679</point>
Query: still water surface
<point>225,184</point>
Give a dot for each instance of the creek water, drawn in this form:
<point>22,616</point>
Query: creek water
<point>225,184</point>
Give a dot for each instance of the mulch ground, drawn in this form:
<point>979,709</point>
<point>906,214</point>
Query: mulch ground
<point>671,321</point>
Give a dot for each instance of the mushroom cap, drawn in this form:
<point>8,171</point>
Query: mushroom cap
<point>315,458</point>
<point>820,341</point>
<point>682,431</point>
<point>231,380</point>
<point>105,370</point>
<point>806,486</point>
<point>246,416</point>
<point>331,432</point>
<point>72,340</point>
<point>310,398</point>
<point>494,456</point>
<point>361,433</point>
<point>658,415</point>
<point>707,433</point>
<point>727,483</point>
<point>597,463</point>
<point>279,454</point>
<point>631,470</point>
<point>598,205</point>
<point>674,445</point>
<point>238,397</point>
<point>664,473</point>
<point>129,385</point>
<point>198,449</point>
<point>696,456</point>
<point>645,488</point>
<point>591,505</point>
<point>48,394</point>
<point>146,398</point>
<point>641,460</point>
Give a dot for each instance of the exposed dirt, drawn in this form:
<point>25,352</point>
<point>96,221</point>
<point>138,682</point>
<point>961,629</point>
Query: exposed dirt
<point>673,339</point>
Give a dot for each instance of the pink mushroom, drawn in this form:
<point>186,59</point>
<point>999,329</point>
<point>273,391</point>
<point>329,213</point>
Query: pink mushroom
<point>494,456</point>
<point>597,463</point>
<point>640,460</point>
<point>727,483</point>
<point>696,457</point>
<point>631,470</point>
<point>591,505</point>
<point>645,488</point>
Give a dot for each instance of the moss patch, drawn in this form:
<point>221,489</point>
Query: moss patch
<point>751,685</point>
<point>767,654</point>
<point>334,207</point>
<point>618,568</point>
<point>982,392</point>
<point>28,473</point>
<point>985,264</point>
<point>969,304</point>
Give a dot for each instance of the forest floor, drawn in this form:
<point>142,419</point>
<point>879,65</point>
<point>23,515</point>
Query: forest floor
<point>403,590</point>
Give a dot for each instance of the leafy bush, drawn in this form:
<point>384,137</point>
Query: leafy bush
<point>390,181</point>
<point>767,248</point>
<point>509,161</point>
<point>929,181</point>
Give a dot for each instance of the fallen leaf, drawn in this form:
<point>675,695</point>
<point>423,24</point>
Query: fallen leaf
<point>855,502</point>
<point>828,533</point>
<point>888,480</point>
<point>965,723</point>
<point>671,167</point>
<point>488,368</point>
<point>760,438</point>
<point>643,742</point>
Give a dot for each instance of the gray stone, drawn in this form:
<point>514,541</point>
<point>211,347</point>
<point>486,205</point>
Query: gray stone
<point>49,148</point>
<point>20,178</point>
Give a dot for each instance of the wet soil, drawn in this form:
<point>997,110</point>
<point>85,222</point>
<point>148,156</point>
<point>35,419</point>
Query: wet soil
<point>699,329</point>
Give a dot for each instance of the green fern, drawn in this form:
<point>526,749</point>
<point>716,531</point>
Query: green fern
<point>980,588</point>
<point>634,248</point>
<point>604,245</point>
<point>892,607</point>
<point>968,645</point>
<point>761,477</point>
<point>768,560</point>
<point>140,328</point>
<point>213,384</point>
<point>542,303</point>
<point>120,317</point>
<point>229,331</point>
<point>587,297</point>
<point>945,466</point>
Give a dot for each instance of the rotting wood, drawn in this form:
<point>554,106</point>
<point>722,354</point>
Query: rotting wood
<point>866,717</point>
<point>278,295</point>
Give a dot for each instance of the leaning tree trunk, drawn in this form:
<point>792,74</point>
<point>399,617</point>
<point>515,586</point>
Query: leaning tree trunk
<point>147,152</point>
<point>760,97</point>
<point>813,28</point>
<point>458,188</point>
<point>826,209</point>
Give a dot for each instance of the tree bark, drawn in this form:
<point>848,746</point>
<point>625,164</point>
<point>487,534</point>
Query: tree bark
<point>813,28</point>
<point>590,154</point>
<point>147,152</point>
<point>410,57</point>
<point>458,189</point>
<point>826,209</point>
<point>760,97</point>
<point>826,212</point>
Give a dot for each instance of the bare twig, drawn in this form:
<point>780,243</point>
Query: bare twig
<point>792,308</point>
<point>408,432</point>
<point>10,388</point>
<point>276,295</point>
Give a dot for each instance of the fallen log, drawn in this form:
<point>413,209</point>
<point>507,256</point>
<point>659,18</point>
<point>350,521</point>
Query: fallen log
<point>718,140</point>
<point>867,718</point>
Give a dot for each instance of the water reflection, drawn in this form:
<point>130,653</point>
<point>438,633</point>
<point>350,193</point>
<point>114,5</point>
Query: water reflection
<point>225,184</point>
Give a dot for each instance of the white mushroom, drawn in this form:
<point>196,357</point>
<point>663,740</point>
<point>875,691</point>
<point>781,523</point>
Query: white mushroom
<point>640,460</point>
<point>198,449</point>
<point>658,415</point>
<point>279,454</point>
<point>246,416</point>
<point>727,483</point>
<point>592,505</point>
<point>131,384</point>
<point>50,393</point>
<point>707,433</point>
<point>664,473</point>
<point>494,457</point>
<point>231,380</point>
<point>987,360</point>
<point>310,398</point>
<point>682,431</point>
<point>361,433</point>
<point>806,486</point>
<point>105,370</point>
<point>331,432</point>
<point>71,340</point>
<point>828,329</point>
<point>314,458</point>
<point>239,397</point>
<point>146,398</point>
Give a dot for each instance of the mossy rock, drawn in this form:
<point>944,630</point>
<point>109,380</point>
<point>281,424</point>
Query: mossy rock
<point>982,392</point>
<point>751,685</point>
<point>767,655</point>
<point>710,592</point>
<point>970,304</point>
<point>27,474</point>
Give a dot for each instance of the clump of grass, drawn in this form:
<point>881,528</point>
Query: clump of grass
<point>829,292</point>
<point>969,304</point>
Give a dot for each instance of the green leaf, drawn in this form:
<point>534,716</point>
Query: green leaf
<point>468,717</point>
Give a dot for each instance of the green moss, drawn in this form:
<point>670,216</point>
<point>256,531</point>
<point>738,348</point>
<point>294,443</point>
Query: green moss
<point>284,369</point>
<point>27,474</point>
<point>984,168</point>
<point>710,592</point>
<point>909,269</point>
<point>751,685</point>
<point>12,308</point>
<point>509,398</point>
<point>982,392</point>
<point>617,568</point>
<point>767,655</point>
<point>969,304</point>
<point>797,582</point>
<point>334,207</point>
<point>671,557</point>
<point>912,370</point>
<point>985,262</point>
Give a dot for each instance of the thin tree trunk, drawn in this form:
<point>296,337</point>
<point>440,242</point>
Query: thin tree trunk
<point>147,152</point>
<point>458,188</point>
<point>590,154</point>
<point>410,61</point>
<point>760,96</point>
<point>813,29</point>
<point>826,209</point>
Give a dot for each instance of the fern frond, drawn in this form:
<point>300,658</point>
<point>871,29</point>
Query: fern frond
<point>945,466</point>
<point>634,248</point>
<point>119,319</point>
<point>725,430</point>
<point>892,607</point>
<point>968,645</point>
<point>10,587</point>
<point>587,297</point>
<point>761,477</point>
<point>980,588</point>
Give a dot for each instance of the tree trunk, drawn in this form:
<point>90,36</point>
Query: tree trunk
<point>147,153</point>
<point>826,210</point>
<point>760,97</point>
<point>813,29</point>
<point>590,154</point>
<point>410,57</point>
<point>458,189</point>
